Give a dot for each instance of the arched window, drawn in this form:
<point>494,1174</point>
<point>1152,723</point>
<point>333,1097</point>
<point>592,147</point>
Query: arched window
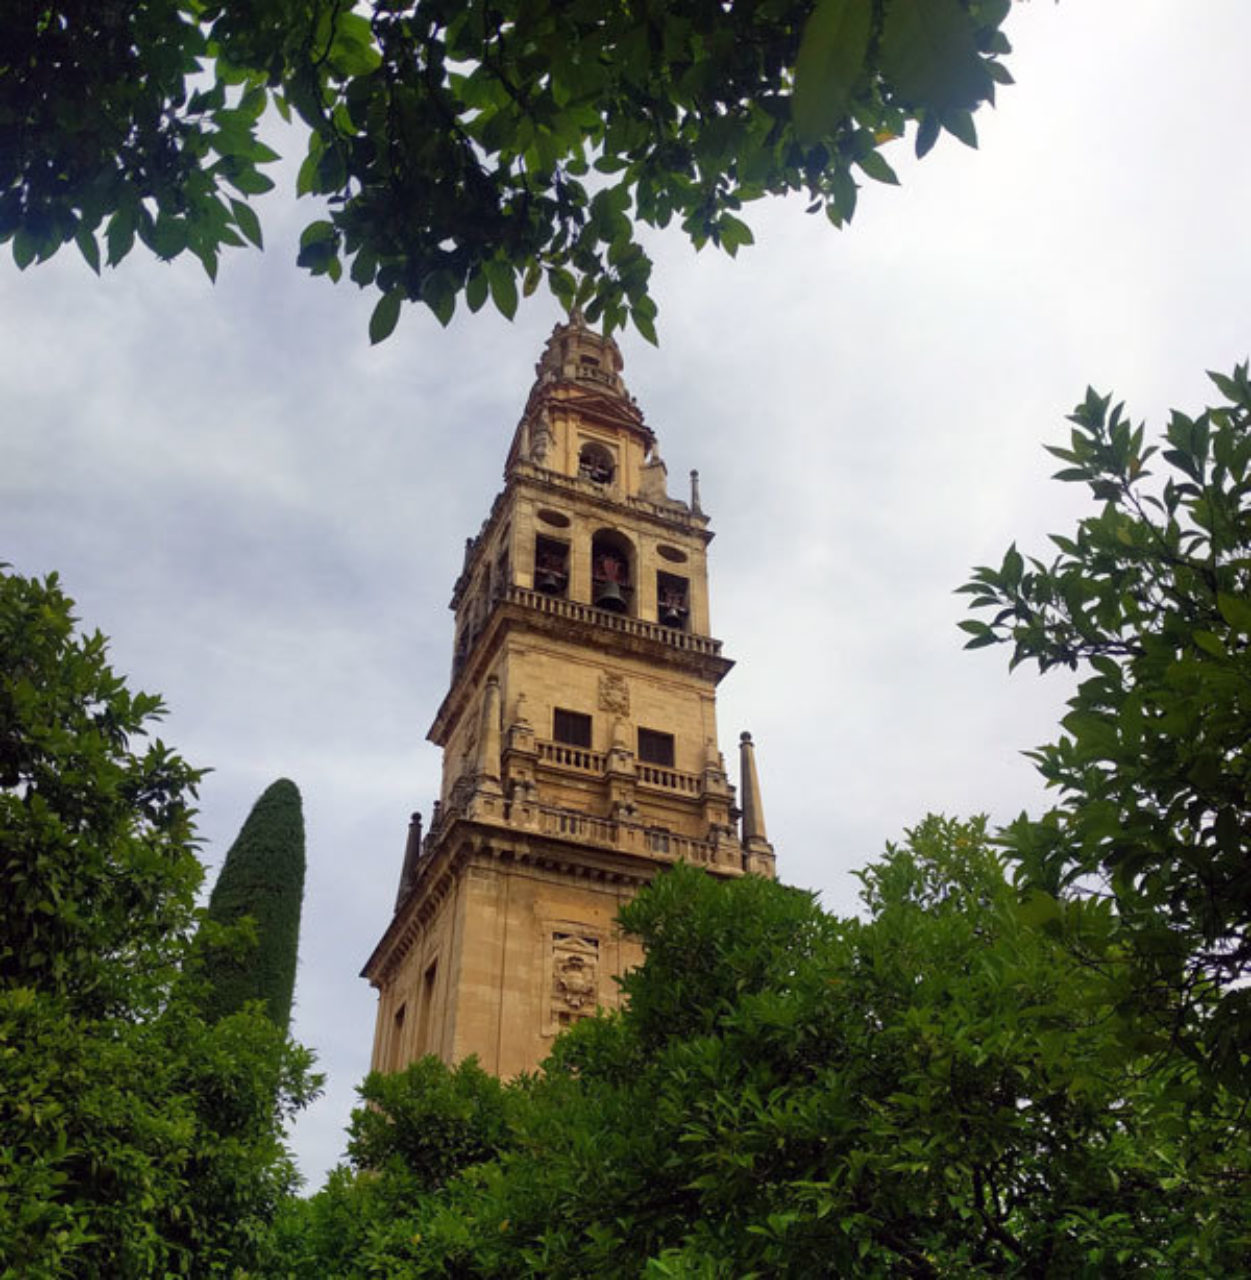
<point>596,463</point>
<point>612,572</point>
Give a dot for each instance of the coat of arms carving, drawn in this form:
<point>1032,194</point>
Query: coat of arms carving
<point>614,694</point>
<point>574,980</point>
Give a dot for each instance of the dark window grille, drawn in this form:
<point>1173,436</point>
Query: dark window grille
<point>656,748</point>
<point>571,727</point>
<point>551,566</point>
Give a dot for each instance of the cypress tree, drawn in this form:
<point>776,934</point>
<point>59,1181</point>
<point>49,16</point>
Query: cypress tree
<point>262,878</point>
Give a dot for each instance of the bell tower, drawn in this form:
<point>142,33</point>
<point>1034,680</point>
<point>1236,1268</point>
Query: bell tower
<point>579,735</point>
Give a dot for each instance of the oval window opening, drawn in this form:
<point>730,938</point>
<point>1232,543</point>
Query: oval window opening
<point>672,554</point>
<point>555,518</point>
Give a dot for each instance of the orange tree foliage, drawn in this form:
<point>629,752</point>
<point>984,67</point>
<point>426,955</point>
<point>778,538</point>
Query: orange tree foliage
<point>942,1088</point>
<point>135,1139</point>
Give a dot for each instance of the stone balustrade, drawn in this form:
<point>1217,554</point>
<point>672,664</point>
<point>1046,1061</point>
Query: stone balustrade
<point>575,611</point>
<point>603,833</point>
<point>560,753</point>
<point>564,756</point>
<point>653,775</point>
<point>629,837</point>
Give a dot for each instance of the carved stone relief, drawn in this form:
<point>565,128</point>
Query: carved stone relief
<point>541,436</point>
<point>614,694</point>
<point>574,985</point>
<point>469,747</point>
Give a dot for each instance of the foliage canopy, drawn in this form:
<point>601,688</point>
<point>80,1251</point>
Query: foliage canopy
<point>1150,600</point>
<point>941,1089</point>
<point>135,1139</point>
<point>471,148</point>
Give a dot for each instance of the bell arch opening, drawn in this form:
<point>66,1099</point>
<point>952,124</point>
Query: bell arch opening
<point>612,572</point>
<point>596,463</point>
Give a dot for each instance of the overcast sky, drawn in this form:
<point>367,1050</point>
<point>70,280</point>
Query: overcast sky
<point>267,516</point>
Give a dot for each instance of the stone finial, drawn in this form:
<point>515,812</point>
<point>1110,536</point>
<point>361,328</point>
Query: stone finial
<point>757,851</point>
<point>695,493</point>
<point>753,808</point>
<point>412,851</point>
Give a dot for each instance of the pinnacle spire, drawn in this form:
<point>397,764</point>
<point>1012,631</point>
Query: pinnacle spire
<point>757,851</point>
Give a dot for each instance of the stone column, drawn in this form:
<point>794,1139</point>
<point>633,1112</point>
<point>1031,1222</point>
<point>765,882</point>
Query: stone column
<point>488,794</point>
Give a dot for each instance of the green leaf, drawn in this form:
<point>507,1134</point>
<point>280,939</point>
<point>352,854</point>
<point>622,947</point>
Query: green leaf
<point>306,178</point>
<point>169,237</point>
<point>982,641</point>
<point>875,165</point>
<point>352,53</point>
<point>23,249</point>
<point>246,179</point>
<point>643,323</point>
<point>1039,910</point>
<point>959,122</point>
<point>1236,611</point>
<point>120,234</point>
<point>844,187</point>
<point>831,60</point>
<point>476,291</point>
<point>1012,568</point>
<point>733,233</point>
<point>88,246</point>
<point>317,232</point>
<point>438,292</point>
<point>929,55</point>
<point>503,287</point>
<point>385,315</point>
<point>563,286</point>
<point>247,221</point>
<point>207,255</point>
<point>927,133</point>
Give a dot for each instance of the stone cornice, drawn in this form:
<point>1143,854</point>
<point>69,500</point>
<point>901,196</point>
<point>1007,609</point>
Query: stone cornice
<point>611,633</point>
<point>460,842</point>
<point>667,516</point>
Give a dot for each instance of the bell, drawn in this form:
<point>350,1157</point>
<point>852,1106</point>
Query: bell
<point>671,614</point>
<point>608,595</point>
<point>548,580</point>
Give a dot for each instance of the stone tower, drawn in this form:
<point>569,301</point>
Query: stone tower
<point>579,736</point>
